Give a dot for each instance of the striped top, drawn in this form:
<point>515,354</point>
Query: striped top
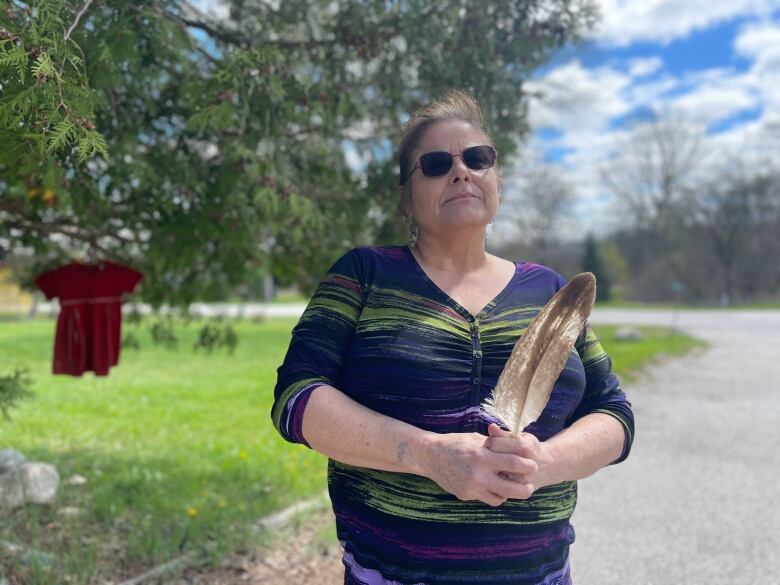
<point>381,331</point>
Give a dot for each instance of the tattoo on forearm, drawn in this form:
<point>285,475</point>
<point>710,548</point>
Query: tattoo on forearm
<point>401,451</point>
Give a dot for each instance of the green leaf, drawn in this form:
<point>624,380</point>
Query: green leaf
<point>90,144</point>
<point>15,58</point>
<point>43,67</point>
<point>64,133</point>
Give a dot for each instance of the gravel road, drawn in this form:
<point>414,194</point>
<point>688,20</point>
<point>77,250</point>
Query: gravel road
<point>698,501</point>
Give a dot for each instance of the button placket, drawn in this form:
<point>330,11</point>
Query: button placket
<point>476,369</point>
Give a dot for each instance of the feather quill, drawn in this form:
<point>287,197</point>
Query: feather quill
<point>524,386</point>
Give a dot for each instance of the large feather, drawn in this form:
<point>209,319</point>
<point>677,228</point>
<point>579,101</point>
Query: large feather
<point>525,385</point>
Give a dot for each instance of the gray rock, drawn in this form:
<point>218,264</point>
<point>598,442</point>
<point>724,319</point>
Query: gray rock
<point>37,558</point>
<point>10,458</point>
<point>30,482</point>
<point>628,334</point>
<point>29,556</point>
<point>10,547</point>
<point>41,481</point>
<point>11,489</point>
<point>76,480</point>
<point>69,512</point>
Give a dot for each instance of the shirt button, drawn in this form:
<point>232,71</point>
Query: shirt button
<point>476,380</point>
<point>477,354</point>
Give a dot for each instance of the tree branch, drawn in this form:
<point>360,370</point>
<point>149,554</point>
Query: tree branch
<point>240,41</point>
<point>75,233</point>
<point>222,35</point>
<point>78,17</point>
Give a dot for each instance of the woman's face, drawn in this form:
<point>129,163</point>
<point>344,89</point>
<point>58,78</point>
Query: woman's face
<point>460,198</point>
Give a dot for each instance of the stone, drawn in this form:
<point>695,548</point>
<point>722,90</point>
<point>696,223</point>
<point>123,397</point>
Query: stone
<point>36,483</point>
<point>11,489</point>
<point>41,481</point>
<point>10,458</point>
<point>29,556</point>
<point>76,480</point>
<point>628,334</point>
<point>69,512</point>
<point>37,558</point>
<point>10,547</point>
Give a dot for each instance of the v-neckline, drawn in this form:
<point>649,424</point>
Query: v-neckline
<point>463,311</point>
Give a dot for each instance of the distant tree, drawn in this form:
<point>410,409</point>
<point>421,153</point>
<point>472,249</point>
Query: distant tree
<point>652,175</point>
<point>652,170</point>
<point>732,209</point>
<point>203,149</point>
<point>536,204</point>
<point>616,267</point>
<point>591,262</point>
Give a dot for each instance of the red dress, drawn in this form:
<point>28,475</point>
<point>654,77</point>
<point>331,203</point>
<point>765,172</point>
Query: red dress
<point>90,321</point>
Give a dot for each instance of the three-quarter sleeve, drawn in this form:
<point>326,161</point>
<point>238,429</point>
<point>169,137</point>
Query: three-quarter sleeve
<point>319,344</point>
<point>602,390</point>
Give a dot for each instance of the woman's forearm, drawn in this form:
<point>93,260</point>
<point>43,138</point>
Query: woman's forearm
<point>345,430</point>
<point>590,443</point>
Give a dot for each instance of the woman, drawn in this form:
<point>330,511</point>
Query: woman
<point>391,360</point>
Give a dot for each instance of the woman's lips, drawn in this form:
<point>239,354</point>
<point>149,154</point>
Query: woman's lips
<point>462,196</point>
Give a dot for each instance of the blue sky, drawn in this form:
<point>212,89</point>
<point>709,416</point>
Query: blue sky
<point>711,64</point>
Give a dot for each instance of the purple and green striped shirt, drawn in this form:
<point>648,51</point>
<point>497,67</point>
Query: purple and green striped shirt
<point>382,332</point>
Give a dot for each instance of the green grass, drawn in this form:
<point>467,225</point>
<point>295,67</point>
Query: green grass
<point>630,357</point>
<point>291,297</point>
<point>177,448</point>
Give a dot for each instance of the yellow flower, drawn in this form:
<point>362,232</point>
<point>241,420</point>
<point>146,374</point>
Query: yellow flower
<point>222,503</point>
<point>243,454</point>
<point>192,511</point>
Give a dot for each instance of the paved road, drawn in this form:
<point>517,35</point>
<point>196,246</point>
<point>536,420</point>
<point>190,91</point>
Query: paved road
<point>698,500</point>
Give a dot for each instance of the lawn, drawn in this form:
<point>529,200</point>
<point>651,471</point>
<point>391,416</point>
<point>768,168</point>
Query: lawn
<point>176,445</point>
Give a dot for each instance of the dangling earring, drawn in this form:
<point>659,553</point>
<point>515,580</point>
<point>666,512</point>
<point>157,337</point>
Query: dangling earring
<point>413,233</point>
<point>488,229</point>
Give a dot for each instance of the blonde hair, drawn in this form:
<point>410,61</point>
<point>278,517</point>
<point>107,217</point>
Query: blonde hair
<point>454,105</point>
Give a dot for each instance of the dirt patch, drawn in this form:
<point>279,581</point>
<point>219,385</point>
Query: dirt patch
<point>305,551</point>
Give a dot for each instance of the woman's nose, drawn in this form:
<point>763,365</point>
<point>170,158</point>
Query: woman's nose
<point>459,170</point>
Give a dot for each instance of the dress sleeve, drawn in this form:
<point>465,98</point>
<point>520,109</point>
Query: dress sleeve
<point>319,345</point>
<point>48,283</point>
<point>603,392</point>
<point>126,279</point>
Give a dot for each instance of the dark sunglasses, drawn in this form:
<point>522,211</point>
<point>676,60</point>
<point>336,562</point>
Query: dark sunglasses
<point>436,164</point>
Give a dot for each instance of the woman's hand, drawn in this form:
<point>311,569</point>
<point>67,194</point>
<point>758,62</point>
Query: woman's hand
<point>527,446</point>
<point>463,465</point>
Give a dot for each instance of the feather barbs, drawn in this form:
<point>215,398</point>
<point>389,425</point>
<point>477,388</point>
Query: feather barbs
<point>524,386</point>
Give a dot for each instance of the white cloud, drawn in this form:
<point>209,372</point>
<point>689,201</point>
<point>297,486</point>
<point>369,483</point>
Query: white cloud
<point>627,21</point>
<point>761,42</point>
<point>759,39</point>
<point>710,104</point>
<point>575,99</point>
<point>645,66</point>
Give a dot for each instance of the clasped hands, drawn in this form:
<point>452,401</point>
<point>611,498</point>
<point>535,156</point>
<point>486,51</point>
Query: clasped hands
<point>490,469</point>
